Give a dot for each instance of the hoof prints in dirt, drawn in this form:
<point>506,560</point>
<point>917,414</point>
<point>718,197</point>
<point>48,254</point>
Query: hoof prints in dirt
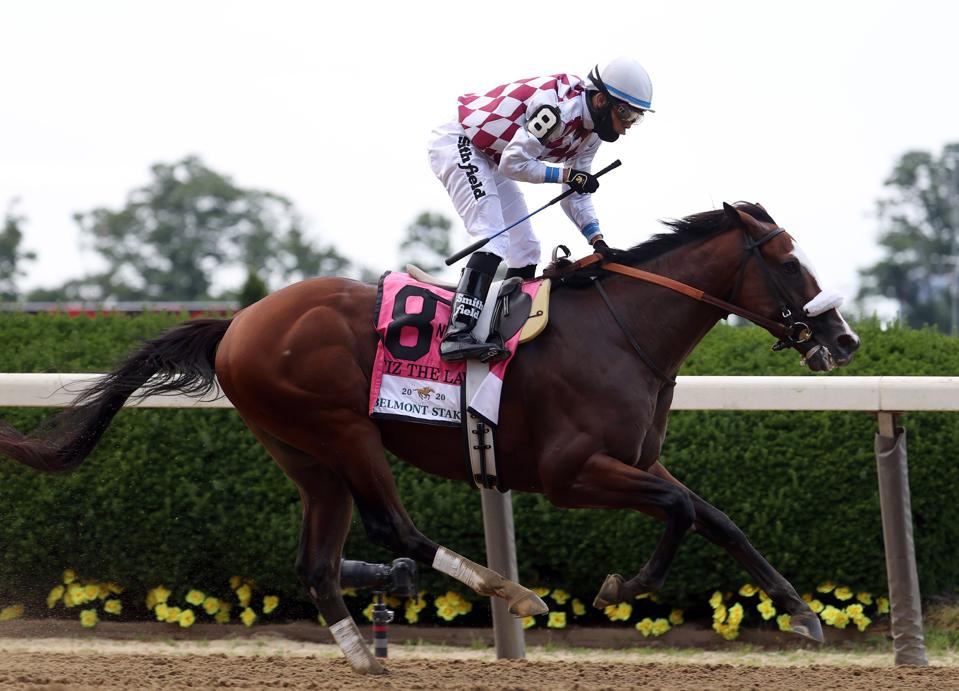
<point>68,671</point>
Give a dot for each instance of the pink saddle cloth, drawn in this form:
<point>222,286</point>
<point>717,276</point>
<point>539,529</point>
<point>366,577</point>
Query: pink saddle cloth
<point>410,381</point>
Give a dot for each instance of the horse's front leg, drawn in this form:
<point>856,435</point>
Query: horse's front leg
<point>606,482</point>
<point>719,529</point>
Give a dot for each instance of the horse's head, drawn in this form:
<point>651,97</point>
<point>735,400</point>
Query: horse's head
<point>777,281</point>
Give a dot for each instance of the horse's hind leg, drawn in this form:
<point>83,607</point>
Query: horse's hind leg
<point>606,482</point>
<point>327,511</point>
<point>719,529</point>
<point>363,460</point>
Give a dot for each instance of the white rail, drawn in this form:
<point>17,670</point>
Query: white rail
<point>878,394</point>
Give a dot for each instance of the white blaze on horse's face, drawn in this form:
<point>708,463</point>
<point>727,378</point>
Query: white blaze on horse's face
<point>823,302</point>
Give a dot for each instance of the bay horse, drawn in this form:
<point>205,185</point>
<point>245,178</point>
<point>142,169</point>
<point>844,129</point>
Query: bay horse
<point>583,414</point>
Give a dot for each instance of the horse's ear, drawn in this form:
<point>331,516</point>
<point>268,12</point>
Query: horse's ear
<point>732,213</point>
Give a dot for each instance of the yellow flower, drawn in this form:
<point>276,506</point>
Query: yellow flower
<point>411,615</point>
<point>645,626</point>
<point>816,606</point>
<point>560,596</point>
<point>766,609</point>
<point>112,606</point>
<point>735,617</point>
<point>620,612</point>
<point>186,618</point>
<point>882,605</point>
<point>843,593</point>
<point>862,621</point>
<point>222,617</point>
<point>446,612</point>
<point>172,615</point>
<point>161,611</point>
<point>348,592</point>
<point>541,592</point>
<point>826,587</point>
<point>835,617</point>
<point>676,617</point>
<point>92,591</point>
<point>368,612</point>
<point>579,609</point>
<point>195,597</point>
<point>727,631</point>
<point>69,576</point>
<point>88,618</point>
<point>248,616</point>
<point>783,620</point>
<point>103,592</point>
<point>11,612</point>
<point>807,597</point>
<point>225,606</point>
<point>114,588</point>
<point>763,596</point>
<point>748,590</point>
<point>719,614</point>
<point>211,605</point>
<point>557,620</point>
<point>54,596</point>
<point>75,595</point>
<point>854,610</point>
<point>243,594</point>
<point>529,622</point>
<point>270,603</point>
<point>716,600</point>
<point>319,618</point>
<point>158,595</point>
<point>643,596</point>
<point>864,598</point>
<point>660,626</point>
<point>235,582</point>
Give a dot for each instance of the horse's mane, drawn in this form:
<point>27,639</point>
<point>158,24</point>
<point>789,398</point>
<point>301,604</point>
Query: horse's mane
<point>684,231</point>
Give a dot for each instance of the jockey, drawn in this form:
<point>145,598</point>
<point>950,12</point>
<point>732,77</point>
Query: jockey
<point>513,133</point>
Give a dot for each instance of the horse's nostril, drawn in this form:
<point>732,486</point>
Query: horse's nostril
<point>848,342</point>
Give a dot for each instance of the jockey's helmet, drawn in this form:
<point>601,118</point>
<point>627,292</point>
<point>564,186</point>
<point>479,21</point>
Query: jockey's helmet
<point>624,79</point>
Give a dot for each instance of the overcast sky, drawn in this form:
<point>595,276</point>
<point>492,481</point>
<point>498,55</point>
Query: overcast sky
<point>803,107</point>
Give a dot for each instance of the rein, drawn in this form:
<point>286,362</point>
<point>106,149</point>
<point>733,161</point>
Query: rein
<point>791,332</point>
<point>788,333</point>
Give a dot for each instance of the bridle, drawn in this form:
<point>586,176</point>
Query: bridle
<point>790,331</point>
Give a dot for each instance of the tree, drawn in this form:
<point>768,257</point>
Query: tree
<point>189,221</point>
<point>252,290</point>
<point>10,254</point>
<point>426,242</point>
<point>920,238</point>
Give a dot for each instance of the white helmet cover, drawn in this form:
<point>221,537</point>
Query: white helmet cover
<point>627,80</point>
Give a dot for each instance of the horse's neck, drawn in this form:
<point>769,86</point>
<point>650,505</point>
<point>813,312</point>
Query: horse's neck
<point>677,323</point>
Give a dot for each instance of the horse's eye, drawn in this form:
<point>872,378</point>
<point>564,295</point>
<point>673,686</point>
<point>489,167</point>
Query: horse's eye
<point>791,267</point>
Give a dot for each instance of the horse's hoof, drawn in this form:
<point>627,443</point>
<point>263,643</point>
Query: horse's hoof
<point>807,624</point>
<point>609,592</point>
<point>529,605</point>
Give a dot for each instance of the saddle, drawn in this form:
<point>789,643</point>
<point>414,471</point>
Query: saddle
<point>514,310</point>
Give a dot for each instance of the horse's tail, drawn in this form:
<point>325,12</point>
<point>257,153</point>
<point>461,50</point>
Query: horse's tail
<point>181,360</point>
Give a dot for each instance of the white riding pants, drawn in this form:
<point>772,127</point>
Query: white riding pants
<point>485,200</point>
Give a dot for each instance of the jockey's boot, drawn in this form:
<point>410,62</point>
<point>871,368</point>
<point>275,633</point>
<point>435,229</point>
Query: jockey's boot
<point>527,273</point>
<point>459,342</point>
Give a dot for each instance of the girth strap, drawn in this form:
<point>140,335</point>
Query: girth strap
<point>632,340</point>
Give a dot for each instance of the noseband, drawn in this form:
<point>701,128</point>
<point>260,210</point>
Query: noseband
<point>795,331</point>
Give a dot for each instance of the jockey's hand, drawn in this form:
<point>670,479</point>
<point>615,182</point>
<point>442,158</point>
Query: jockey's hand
<point>600,247</point>
<point>581,181</point>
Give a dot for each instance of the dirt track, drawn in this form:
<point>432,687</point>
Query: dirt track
<point>114,671</point>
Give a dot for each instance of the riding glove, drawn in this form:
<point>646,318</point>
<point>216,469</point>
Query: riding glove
<point>581,181</point>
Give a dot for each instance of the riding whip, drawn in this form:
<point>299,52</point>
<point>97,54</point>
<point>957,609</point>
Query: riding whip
<point>479,243</point>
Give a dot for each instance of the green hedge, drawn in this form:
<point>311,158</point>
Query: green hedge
<point>189,498</point>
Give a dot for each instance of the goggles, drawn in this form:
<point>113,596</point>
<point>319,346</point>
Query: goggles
<point>629,116</point>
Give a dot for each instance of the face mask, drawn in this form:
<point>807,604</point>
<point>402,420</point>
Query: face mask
<point>602,120</point>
